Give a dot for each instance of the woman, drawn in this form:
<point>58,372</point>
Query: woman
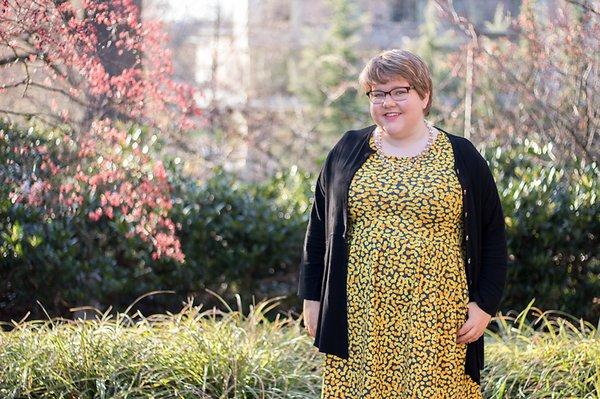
<point>404,260</point>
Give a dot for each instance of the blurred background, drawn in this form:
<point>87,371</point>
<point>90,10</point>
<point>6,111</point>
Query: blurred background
<point>170,148</point>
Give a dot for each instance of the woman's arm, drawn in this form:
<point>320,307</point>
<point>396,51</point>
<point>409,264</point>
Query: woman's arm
<point>313,253</point>
<point>494,253</point>
<point>492,275</point>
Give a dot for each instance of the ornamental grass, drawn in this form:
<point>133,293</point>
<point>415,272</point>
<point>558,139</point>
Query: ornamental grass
<point>209,353</point>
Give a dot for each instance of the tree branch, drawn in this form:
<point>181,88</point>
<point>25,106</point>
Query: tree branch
<point>585,6</point>
<point>547,109</point>
<point>14,59</point>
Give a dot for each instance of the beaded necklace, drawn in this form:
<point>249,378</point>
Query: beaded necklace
<point>413,160</point>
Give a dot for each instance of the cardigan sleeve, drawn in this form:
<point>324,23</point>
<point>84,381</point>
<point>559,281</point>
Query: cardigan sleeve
<point>313,252</point>
<point>494,252</point>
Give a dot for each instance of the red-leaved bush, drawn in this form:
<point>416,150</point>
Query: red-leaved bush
<point>91,70</point>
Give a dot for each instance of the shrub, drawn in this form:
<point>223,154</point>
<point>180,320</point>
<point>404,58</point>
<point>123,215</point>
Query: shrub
<point>237,238</point>
<point>242,238</point>
<point>553,228</point>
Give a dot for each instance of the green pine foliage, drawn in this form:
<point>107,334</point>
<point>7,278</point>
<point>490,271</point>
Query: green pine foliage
<point>326,80</point>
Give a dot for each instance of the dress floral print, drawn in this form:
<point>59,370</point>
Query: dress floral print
<point>406,283</point>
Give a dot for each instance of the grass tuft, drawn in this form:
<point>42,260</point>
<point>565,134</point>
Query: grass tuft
<point>542,354</point>
<point>209,353</point>
<point>193,354</point>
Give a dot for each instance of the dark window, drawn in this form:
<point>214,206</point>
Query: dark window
<point>281,11</point>
<point>404,10</point>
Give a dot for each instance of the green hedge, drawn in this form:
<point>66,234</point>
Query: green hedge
<point>242,237</point>
<point>63,260</point>
<point>237,237</point>
<point>246,238</point>
<point>553,225</point>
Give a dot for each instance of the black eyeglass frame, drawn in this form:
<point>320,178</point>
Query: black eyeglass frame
<point>385,93</point>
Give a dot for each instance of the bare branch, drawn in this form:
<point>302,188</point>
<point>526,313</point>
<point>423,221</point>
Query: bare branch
<point>61,91</point>
<point>13,85</point>
<point>585,6</point>
<point>29,114</point>
<point>547,109</point>
<point>14,59</point>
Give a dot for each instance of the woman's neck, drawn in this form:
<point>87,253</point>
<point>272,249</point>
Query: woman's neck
<point>405,138</point>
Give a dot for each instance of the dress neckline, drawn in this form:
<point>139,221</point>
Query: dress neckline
<point>403,158</point>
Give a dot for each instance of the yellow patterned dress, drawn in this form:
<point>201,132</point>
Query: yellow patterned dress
<point>407,288</point>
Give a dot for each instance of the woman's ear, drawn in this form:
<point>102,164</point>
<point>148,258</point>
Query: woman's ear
<point>425,100</point>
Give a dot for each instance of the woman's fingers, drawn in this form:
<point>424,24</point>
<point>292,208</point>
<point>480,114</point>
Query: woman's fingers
<point>466,327</point>
<point>469,337</point>
<point>312,327</point>
<point>466,332</point>
<point>309,326</point>
<point>311,316</point>
<point>311,332</point>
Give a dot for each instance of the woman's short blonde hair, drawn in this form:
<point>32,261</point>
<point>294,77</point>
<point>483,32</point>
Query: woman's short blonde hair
<point>394,63</point>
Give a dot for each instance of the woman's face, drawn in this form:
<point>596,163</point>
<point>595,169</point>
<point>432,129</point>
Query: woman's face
<point>398,118</point>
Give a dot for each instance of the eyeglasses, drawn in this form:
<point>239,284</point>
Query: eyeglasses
<point>397,94</point>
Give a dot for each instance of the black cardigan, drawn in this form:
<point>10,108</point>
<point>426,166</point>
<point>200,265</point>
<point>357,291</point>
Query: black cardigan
<point>322,274</point>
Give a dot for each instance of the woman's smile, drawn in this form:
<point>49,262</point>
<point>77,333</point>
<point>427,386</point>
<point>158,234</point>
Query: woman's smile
<point>391,116</point>
<point>401,117</point>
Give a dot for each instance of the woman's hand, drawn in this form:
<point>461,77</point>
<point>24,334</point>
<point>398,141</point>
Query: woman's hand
<point>475,325</point>
<point>311,316</point>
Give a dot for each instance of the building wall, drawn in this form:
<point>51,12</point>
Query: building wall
<point>278,30</point>
<point>244,62</point>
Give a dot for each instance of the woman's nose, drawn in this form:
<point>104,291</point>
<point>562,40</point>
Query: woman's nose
<point>387,100</point>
